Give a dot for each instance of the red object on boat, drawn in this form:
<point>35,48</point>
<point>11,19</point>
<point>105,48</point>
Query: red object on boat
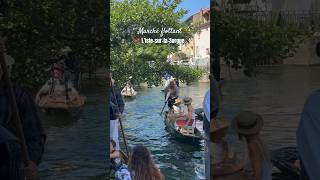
<point>180,123</point>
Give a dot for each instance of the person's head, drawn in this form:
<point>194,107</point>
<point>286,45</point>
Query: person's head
<point>187,101</point>
<point>58,70</point>
<point>113,145</point>
<point>247,124</point>
<point>172,83</point>
<point>142,164</point>
<point>218,129</point>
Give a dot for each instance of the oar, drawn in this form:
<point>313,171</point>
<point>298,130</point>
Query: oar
<point>124,137</point>
<point>163,108</point>
<point>16,118</point>
<point>120,120</point>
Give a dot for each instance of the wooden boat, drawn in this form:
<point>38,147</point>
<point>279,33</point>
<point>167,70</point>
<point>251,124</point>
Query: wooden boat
<point>127,93</point>
<point>284,159</point>
<point>60,103</point>
<point>185,132</point>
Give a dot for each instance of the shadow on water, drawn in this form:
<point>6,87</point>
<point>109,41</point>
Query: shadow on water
<point>144,125</point>
<point>58,119</point>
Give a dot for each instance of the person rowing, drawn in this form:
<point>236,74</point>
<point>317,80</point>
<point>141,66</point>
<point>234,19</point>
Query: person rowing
<point>171,94</point>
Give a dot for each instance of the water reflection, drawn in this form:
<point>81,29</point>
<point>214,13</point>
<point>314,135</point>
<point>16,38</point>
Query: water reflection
<point>278,94</point>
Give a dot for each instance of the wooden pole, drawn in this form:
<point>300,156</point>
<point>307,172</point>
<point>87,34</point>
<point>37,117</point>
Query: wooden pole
<point>124,137</point>
<point>15,112</point>
<point>120,120</point>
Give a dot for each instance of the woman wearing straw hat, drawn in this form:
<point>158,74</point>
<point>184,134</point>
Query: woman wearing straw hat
<point>248,125</point>
<point>188,112</point>
<point>223,161</point>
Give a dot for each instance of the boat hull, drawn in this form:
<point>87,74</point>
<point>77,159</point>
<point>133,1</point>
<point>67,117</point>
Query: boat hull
<point>61,104</point>
<point>170,127</point>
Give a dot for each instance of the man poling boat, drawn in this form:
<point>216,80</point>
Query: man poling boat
<point>22,137</point>
<point>167,79</point>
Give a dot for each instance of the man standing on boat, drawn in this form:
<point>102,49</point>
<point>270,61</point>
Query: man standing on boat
<point>10,147</point>
<point>71,66</point>
<point>167,77</point>
<point>116,108</point>
<point>171,94</point>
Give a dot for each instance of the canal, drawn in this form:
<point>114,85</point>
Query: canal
<point>77,147</point>
<point>278,94</point>
<point>144,125</point>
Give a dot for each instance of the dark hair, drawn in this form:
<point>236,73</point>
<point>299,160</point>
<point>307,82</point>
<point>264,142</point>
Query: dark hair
<point>114,144</point>
<point>142,165</point>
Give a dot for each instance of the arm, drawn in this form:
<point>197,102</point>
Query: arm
<point>32,126</point>
<point>115,154</point>
<point>43,91</point>
<point>256,161</point>
<point>120,101</point>
<point>190,110</point>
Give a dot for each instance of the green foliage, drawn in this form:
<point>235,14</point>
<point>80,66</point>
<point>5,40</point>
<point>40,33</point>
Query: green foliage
<point>145,62</point>
<point>250,43</point>
<point>37,29</point>
<point>185,74</point>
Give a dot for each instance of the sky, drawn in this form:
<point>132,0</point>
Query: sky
<point>193,6</point>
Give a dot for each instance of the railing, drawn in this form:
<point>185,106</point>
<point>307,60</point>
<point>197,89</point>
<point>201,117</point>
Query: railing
<point>201,63</point>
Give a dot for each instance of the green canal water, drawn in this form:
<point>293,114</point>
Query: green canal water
<point>144,125</point>
<point>77,147</point>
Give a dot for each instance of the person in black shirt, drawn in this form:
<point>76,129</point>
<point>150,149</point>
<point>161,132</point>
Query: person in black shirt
<point>10,149</point>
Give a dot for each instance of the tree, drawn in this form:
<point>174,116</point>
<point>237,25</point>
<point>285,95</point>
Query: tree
<point>146,62</point>
<point>248,43</point>
<point>37,29</point>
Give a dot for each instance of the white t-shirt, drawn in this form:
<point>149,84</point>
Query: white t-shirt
<point>206,105</point>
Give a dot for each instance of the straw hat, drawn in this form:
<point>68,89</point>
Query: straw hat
<point>217,125</point>
<point>247,123</point>
<point>187,100</point>
<point>177,102</point>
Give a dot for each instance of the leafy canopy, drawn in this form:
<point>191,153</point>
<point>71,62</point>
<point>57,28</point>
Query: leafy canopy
<point>146,62</point>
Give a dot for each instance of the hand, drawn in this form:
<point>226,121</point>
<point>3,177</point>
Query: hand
<point>119,115</point>
<point>30,171</point>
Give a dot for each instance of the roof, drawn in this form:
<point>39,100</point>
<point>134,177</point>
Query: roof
<point>202,11</point>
